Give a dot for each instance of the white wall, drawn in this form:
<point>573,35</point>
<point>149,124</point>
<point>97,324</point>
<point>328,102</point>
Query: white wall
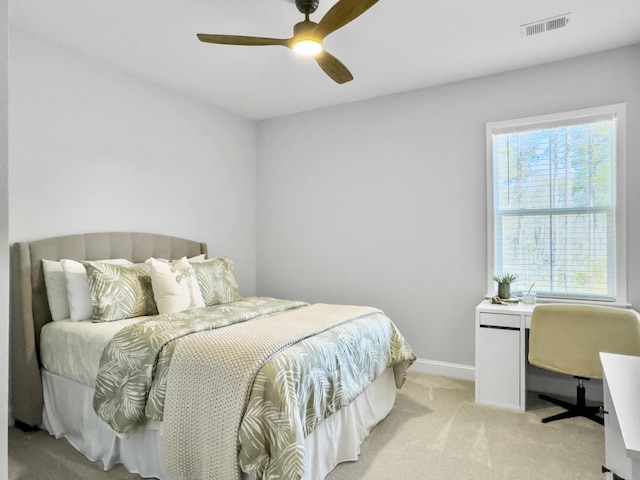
<point>4,236</point>
<point>95,149</point>
<point>383,202</point>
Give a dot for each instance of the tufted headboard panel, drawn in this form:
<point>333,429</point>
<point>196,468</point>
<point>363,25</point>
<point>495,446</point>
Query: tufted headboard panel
<point>29,308</point>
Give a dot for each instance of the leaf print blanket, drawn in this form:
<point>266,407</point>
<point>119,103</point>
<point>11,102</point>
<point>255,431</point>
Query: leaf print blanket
<point>295,389</point>
<point>131,379</point>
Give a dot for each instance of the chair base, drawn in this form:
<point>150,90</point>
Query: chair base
<point>579,409</point>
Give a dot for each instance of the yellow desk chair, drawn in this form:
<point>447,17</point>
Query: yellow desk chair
<point>569,338</point>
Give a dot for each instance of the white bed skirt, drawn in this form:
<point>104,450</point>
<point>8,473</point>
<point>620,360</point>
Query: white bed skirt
<point>68,412</point>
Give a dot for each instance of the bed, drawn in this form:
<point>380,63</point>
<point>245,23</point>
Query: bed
<point>50,389</point>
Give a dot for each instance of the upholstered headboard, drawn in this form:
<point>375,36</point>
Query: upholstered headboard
<point>30,309</point>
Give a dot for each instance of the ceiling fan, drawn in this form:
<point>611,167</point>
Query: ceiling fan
<point>307,35</point>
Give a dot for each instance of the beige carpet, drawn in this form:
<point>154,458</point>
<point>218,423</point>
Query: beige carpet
<point>435,431</point>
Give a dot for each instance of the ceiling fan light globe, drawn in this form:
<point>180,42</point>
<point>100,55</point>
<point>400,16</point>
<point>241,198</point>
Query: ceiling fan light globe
<point>308,48</point>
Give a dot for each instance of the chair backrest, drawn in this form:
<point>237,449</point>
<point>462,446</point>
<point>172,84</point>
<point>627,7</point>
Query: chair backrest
<point>568,338</point>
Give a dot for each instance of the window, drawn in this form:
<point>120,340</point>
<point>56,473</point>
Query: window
<point>556,208</point>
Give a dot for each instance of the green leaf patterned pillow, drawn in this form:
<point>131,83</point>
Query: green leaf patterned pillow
<point>120,291</point>
<point>216,280</point>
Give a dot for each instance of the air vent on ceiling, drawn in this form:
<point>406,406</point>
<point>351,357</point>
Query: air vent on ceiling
<point>545,25</point>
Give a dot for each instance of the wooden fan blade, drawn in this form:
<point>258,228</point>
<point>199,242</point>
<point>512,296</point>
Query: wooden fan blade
<point>333,67</point>
<point>242,40</point>
<point>342,13</point>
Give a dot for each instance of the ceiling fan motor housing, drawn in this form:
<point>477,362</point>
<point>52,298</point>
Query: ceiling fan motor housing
<point>307,6</point>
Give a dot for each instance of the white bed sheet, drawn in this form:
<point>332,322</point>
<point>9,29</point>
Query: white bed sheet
<point>68,412</point>
<point>73,349</point>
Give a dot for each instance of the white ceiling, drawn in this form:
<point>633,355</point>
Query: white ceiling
<point>395,46</point>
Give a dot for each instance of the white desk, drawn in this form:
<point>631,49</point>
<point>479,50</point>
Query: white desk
<point>622,420</point>
<point>500,354</point>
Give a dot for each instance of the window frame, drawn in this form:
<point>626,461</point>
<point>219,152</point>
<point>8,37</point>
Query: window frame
<point>618,113</point>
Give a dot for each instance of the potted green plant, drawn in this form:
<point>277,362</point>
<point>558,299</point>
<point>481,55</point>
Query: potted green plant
<point>504,282</point>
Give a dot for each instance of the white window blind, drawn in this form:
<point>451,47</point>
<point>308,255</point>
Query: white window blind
<point>555,209</point>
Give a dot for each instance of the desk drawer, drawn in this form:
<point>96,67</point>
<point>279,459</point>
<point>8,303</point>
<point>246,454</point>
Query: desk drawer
<point>503,320</point>
<point>498,381</point>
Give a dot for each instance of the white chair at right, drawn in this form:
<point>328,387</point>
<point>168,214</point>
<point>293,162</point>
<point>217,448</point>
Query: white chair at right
<point>569,338</point>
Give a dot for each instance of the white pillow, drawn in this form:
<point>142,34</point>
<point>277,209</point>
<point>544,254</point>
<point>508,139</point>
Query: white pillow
<point>78,295</point>
<point>175,287</point>
<point>56,290</point>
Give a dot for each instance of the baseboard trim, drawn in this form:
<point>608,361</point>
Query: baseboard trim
<point>537,380</point>
<point>454,370</point>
